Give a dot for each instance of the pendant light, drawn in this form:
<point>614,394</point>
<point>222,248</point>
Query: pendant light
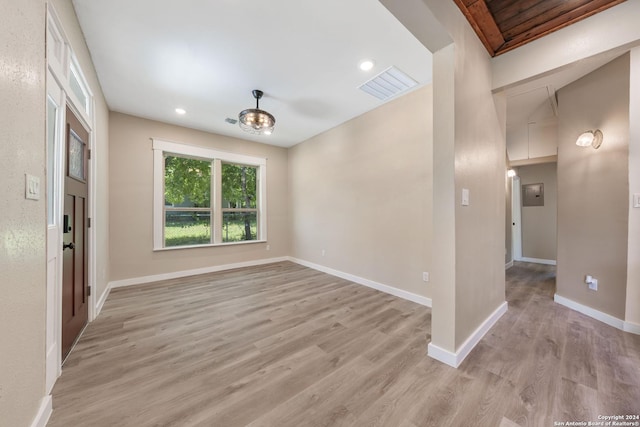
<point>255,120</point>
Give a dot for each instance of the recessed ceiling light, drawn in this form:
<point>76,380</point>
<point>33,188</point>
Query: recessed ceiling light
<point>367,64</point>
<point>181,111</point>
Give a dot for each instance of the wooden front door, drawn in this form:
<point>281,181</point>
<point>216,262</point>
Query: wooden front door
<point>75,295</point>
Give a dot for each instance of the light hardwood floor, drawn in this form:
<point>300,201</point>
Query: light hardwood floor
<point>283,345</point>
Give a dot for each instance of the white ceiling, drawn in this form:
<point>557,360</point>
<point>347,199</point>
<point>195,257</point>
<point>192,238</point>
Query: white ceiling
<point>206,56</point>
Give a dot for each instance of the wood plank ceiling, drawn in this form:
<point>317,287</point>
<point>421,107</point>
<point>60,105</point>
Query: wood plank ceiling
<point>503,25</point>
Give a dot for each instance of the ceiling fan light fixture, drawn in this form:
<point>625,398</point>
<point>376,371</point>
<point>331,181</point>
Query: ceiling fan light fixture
<point>255,120</point>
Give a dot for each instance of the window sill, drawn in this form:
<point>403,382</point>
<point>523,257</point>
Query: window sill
<point>212,245</point>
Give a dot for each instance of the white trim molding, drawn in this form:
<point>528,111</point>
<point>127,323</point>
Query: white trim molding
<point>186,273</point>
<point>44,412</point>
<point>410,296</point>
<point>455,359</point>
<point>508,265</point>
<point>216,157</point>
<point>538,260</point>
<point>633,328</point>
<point>103,299</point>
<point>610,320</point>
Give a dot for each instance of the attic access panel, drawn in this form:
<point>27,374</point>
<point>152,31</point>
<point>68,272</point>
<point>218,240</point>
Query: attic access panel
<point>533,195</point>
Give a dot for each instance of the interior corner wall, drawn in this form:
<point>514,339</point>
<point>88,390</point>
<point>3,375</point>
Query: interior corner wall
<point>361,195</point>
<point>593,189</point>
<point>100,154</point>
<point>480,166</point>
<point>479,149</point>
<point>23,222</point>
<point>539,223</point>
<point>632,314</point>
<point>508,222</point>
<point>131,201</point>
<point>469,152</point>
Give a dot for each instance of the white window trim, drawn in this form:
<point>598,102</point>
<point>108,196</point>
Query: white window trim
<point>160,147</point>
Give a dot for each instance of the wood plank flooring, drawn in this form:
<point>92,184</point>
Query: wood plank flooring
<point>284,345</point>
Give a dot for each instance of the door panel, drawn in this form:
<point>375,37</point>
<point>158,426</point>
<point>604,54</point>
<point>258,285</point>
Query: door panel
<point>74,228</point>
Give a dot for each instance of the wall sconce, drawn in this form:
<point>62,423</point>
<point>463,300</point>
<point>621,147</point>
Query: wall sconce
<point>590,138</point>
<point>511,173</point>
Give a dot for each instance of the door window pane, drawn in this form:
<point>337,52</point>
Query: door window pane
<point>76,157</point>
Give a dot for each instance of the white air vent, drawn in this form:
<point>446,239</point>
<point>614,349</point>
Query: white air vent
<point>388,84</point>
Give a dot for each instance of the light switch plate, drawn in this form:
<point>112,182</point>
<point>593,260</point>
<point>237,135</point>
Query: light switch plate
<point>31,187</point>
<point>465,197</point>
<point>636,200</point>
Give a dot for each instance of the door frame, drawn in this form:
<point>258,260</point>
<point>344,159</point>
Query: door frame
<point>60,62</point>
<point>516,218</point>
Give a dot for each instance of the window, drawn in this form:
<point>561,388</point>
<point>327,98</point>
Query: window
<point>187,201</point>
<point>239,202</point>
<point>205,197</point>
<point>52,145</point>
<point>79,88</point>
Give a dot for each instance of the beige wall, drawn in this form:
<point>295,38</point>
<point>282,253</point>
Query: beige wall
<point>131,200</point>
<point>23,222</point>
<point>633,264</point>
<point>362,193</point>
<point>468,152</point>
<point>539,223</point>
<point>593,206</point>
<point>478,164</point>
<point>100,154</point>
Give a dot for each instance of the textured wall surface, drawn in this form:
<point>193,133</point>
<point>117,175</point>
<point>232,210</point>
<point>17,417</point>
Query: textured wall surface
<point>22,222</point>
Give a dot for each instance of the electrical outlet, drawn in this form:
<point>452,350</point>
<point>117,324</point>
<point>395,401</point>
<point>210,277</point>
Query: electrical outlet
<point>425,276</point>
<point>323,252</point>
<point>268,247</point>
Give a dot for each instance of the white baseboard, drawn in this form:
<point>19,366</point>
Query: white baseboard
<point>103,299</point>
<point>508,265</point>
<point>442,355</point>
<point>631,327</point>
<point>44,412</point>
<point>52,371</point>
<point>194,272</point>
<point>538,260</point>
<point>410,296</point>
<point>455,359</point>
